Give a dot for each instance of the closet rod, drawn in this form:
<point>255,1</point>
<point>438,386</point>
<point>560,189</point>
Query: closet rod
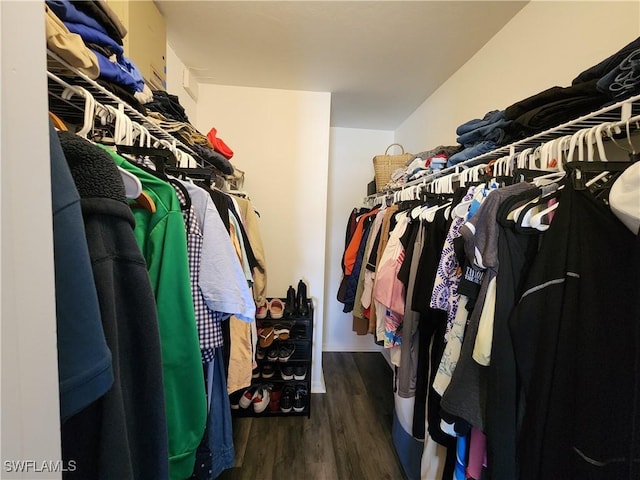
<point>105,97</point>
<point>618,112</point>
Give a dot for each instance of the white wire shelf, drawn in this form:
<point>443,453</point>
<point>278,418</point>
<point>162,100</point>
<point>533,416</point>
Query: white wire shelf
<point>616,112</point>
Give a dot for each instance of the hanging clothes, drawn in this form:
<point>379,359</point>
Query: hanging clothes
<point>123,435</point>
<point>85,368</point>
<point>576,339</point>
<point>162,239</point>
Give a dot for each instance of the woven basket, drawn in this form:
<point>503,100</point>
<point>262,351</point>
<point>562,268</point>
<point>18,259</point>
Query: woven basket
<point>385,165</point>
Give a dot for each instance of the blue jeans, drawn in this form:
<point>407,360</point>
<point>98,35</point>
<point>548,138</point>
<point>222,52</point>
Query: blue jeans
<point>471,152</point>
<point>489,118</point>
<point>493,132</point>
<point>216,452</point>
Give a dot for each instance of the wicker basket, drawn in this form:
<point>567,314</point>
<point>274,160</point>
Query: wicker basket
<point>385,165</point>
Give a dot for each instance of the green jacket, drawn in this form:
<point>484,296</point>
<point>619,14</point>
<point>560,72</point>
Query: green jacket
<point>162,239</point>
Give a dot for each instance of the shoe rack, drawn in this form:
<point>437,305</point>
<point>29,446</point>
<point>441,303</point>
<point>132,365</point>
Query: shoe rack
<point>285,374</point>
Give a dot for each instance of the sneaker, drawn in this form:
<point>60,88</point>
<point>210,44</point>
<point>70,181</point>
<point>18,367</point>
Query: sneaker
<point>268,371</point>
<point>286,400</point>
<point>285,352</point>
<point>260,353</point>
<point>261,400</point>
<point>286,373</point>
<point>300,399</point>
<point>255,373</point>
<point>248,396</point>
<point>273,355</point>
<point>300,372</point>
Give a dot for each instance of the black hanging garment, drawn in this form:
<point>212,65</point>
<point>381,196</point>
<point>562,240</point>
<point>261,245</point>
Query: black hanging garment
<point>123,435</point>
<point>576,335</point>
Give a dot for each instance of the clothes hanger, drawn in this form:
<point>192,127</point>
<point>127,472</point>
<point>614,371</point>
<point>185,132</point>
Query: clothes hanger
<point>89,107</point>
<point>57,122</point>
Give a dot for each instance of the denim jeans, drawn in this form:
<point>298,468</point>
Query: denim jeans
<point>216,452</point>
<point>494,132</point>
<point>471,152</point>
<point>489,118</point>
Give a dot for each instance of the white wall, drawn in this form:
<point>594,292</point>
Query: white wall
<point>350,169</point>
<point>280,139</point>
<point>175,77</point>
<point>29,401</point>
<point>545,44</point>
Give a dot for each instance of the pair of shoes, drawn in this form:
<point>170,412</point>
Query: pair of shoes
<point>268,370</point>
<point>256,395</point>
<point>286,351</point>
<point>300,398</point>
<point>276,308</point>
<point>282,353</point>
<point>291,373</point>
<point>273,308</point>
<point>297,303</point>
<point>286,372</point>
<point>268,334</point>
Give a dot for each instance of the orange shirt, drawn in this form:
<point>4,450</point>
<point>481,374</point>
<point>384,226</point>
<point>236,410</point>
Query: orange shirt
<point>352,250</point>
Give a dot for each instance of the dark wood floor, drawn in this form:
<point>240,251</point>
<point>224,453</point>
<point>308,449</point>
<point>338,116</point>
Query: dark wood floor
<point>348,436</point>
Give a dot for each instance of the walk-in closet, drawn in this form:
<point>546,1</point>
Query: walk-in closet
<point>345,240</point>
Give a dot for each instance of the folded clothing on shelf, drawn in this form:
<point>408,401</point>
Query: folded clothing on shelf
<point>69,46</point>
<point>102,13</point>
<point>116,68</point>
<point>601,69</point>
<point>168,105</point>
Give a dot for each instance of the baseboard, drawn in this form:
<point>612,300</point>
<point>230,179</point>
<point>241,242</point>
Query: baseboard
<point>318,386</point>
<point>351,348</point>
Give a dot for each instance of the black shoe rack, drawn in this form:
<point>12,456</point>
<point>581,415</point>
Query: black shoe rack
<point>298,389</point>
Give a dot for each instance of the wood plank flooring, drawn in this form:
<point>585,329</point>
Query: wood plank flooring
<point>348,436</point>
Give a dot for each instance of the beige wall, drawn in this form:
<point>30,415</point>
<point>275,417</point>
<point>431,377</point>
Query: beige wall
<point>175,76</point>
<point>350,169</point>
<point>281,141</point>
<point>545,44</point>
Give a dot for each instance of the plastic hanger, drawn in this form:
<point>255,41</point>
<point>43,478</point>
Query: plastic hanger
<point>523,219</point>
<point>536,221</point>
<point>89,107</point>
<point>57,122</point>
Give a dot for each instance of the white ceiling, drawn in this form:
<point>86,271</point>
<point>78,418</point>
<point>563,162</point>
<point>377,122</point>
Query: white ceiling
<point>379,59</point>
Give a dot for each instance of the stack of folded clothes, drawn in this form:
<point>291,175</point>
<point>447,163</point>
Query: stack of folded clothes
<point>553,107</point>
<point>168,105</point>
<point>102,34</point>
<point>618,76</point>
<point>614,79</point>
<point>480,136</point>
